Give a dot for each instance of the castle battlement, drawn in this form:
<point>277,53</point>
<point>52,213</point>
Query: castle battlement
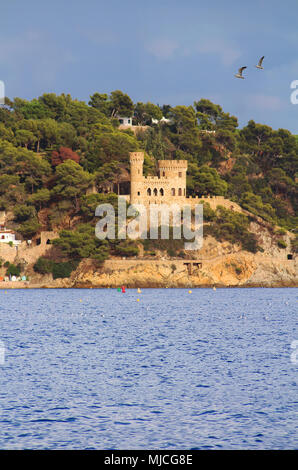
<point>168,186</point>
<point>170,164</point>
<point>136,156</point>
<point>160,179</point>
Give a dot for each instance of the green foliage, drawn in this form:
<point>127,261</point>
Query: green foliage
<point>126,248</point>
<point>281,244</point>
<point>254,166</point>
<point>254,204</point>
<point>209,214</point>
<point>43,265</point>
<point>117,104</point>
<point>82,243</point>
<point>40,198</point>
<point>22,212</point>
<point>58,270</point>
<point>145,112</point>
<point>206,181</point>
<point>29,228</point>
<point>64,269</point>
<point>13,270</point>
<point>233,227</point>
<point>71,181</point>
<point>88,203</point>
<point>171,246</point>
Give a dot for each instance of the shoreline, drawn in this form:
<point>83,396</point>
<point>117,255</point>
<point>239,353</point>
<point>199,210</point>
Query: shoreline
<point>250,286</point>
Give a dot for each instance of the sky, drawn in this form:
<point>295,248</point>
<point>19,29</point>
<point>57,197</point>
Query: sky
<point>163,51</point>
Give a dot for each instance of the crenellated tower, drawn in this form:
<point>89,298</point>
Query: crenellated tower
<point>168,187</point>
<point>136,175</point>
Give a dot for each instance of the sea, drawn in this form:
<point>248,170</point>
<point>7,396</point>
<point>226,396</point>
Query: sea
<point>150,369</point>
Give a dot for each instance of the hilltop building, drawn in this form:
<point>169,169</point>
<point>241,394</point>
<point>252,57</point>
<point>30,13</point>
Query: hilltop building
<point>125,121</point>
<point>168,187</point>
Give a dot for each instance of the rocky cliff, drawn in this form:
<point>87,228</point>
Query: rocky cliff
<point>216,264</point>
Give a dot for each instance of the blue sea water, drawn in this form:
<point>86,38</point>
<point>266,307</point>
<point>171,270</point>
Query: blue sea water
<point>96,369</point>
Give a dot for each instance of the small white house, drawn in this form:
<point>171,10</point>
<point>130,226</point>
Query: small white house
<point>7,236</point>
<point>125,121</point>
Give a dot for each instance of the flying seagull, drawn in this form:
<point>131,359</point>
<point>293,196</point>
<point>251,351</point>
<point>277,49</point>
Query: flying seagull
<point>259,66</point>
<point>239,74</point>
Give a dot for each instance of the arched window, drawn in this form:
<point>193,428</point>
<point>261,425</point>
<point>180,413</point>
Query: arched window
<point>161,192</point>
<point>155,192</point>
<point>173,191</point>
<point>179,192</point>
<point>163,173</point>
<point>148,192</point>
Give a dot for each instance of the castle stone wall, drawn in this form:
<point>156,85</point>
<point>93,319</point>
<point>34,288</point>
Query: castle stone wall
<point>169,187</point>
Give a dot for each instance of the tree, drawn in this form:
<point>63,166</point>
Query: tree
<point>40,198</point>
<point>71,182</point>
<point>145,112</point>
<point>206,180</point>
<point>100,101</point>
<point>25,138</point>
<point>31,168</point>
<point>185,126</point>
<point>82,243</point>
<point>64,154</point>
<point>211,116</point>
<point>23,212</point>
<point>121,104</point>
<point>29,228</point>
<point>88,203</point>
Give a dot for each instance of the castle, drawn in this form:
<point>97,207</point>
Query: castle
<point>168,187</point>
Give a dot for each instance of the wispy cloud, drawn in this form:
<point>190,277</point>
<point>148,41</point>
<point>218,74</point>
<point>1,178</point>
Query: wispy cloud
<point>36,51</point>
<point>227,53</point>
<point>162,48</point>
<point>264,102</point>
<point>100,37</point>
<point>166,48</point>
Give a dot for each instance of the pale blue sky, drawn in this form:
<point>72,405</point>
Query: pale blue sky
<point>165,51</point>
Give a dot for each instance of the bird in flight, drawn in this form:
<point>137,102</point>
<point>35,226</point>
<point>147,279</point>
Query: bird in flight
<point>259,66</point>
<point>239,74</point>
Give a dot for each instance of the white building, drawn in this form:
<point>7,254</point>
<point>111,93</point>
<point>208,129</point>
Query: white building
<point>163,120</point>
<point>7,236</point>
<point>125,121</point>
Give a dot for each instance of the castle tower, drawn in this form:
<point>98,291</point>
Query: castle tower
<point>175,171</point>
<point>136,176</point>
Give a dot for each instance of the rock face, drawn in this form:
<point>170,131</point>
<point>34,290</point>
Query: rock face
<point>216,264</point>
<point>242,269</point>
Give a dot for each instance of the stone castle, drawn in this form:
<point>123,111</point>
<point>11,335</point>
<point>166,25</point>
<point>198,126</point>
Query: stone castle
<point>168,187</point>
